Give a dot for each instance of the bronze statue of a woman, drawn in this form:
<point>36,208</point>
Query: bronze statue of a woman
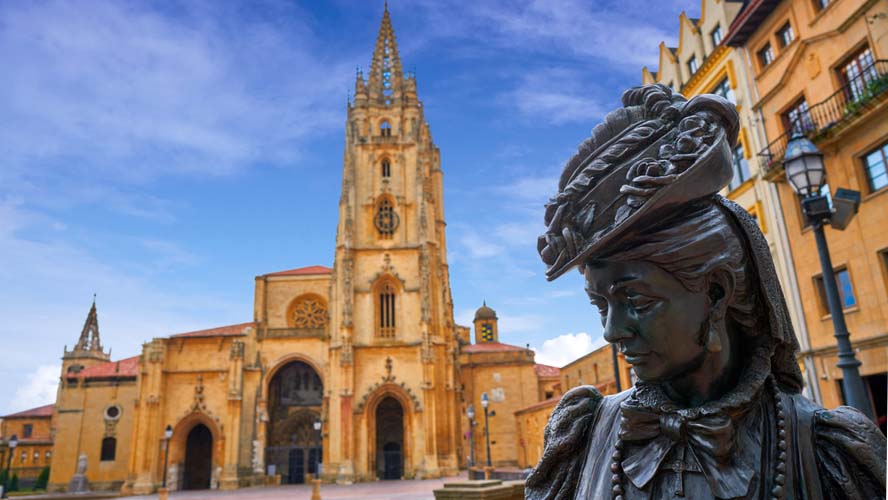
<point>686,288</point>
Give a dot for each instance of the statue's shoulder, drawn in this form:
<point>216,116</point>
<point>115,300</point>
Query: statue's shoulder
<point>566,437</point>
<point>850,452</point>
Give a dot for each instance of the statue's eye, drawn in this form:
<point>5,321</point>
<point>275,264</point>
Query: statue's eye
<point>601,304</point>
<point>641,303</point>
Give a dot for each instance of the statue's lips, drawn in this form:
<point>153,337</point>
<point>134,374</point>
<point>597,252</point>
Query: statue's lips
<point>634,357</point>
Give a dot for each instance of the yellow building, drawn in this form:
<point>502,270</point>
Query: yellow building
<point>703,64</point>
<point>512,381</point>
<point>368,349</point>
<point>820,66</point>
<point>32,431</point>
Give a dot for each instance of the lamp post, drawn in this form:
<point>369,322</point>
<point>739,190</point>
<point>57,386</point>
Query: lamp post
<point>167,435</point>
<point>470,412</point>
<point>11,444</point>
<point>316,483</point>
<point>485,402</point>
<point>806,174</point>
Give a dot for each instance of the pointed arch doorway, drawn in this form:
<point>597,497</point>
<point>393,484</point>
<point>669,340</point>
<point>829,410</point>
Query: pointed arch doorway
<point>295,396</point>
<point>198,458</point>
<point>389,439</point>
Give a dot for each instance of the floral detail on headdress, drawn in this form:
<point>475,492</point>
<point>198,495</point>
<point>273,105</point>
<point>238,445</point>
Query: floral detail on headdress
<point>645,178</point>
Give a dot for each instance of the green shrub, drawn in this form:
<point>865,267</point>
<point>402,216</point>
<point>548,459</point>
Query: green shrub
<point>42,479</point>
<point>4,476</point>
<point>14,484</point>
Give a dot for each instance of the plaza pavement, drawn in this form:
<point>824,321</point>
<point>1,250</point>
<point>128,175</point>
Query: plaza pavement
<point>378,490</point>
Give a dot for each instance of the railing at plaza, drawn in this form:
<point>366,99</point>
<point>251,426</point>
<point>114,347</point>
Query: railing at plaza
<point>831,114</point>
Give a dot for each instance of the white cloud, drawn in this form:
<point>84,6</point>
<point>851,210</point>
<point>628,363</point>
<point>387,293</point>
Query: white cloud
<point>563,349</point>
<point>118,89</point>
<point>39,388</point>
<point>479,247</point>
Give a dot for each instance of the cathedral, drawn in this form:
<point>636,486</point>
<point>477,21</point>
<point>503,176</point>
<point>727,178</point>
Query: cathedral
<point>357,372</point>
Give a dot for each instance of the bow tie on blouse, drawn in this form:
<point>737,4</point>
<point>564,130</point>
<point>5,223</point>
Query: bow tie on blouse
<point>708,439</point>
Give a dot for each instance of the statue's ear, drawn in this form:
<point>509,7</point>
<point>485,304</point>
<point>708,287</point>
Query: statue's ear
<point>721,291</point>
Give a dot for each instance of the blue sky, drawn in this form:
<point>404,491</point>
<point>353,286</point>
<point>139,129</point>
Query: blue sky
<point>163,154</point>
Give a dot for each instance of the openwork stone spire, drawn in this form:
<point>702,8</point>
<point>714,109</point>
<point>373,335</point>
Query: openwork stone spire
<point>89,344</point>
<point>386,74</point>
<point>89,337</point>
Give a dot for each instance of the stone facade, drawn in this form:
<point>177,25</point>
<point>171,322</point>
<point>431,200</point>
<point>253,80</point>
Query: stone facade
<point>33,431</point>
<point>367,350</point>
<point>822,66</point>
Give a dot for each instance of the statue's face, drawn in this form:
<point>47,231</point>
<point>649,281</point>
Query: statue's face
<point>657,323</point>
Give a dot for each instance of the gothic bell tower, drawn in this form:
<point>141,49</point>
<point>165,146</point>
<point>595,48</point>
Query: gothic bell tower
<point>392,330</point>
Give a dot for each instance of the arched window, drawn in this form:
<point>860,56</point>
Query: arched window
<point>109,449</point>
<point>386,167</point>
<point>386,298</point>
<point>386,219</point>
<point>385,128</point>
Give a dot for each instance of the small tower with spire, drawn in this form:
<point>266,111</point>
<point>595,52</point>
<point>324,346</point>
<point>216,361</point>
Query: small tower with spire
<point>486,325</point>
<point>88,351</point>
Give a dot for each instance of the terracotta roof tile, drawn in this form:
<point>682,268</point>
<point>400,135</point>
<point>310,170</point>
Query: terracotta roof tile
<point>491,347</point>
<point>220,331</point>
<point>128,367</point>
<point>547,370</point>
<point>40,411</point>
<point>303,271</point>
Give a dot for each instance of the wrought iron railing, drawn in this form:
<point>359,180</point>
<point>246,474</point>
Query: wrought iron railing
<point>832,113</point>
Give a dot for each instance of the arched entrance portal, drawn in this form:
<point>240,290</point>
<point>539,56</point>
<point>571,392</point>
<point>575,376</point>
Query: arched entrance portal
<point>389,439</point>
<point>198,458</point>
<point>294,404</point>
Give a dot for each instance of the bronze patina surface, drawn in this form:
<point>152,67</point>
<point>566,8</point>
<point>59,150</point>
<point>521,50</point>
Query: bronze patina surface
<point>685,285</point>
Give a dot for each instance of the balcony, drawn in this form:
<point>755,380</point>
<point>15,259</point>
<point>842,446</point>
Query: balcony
<point>832,115</point>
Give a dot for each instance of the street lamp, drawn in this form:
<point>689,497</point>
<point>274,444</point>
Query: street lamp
<point>806,174</point>
<point>167,435</point>
<point>470,412</point>
<point>316,484</point>
<point>12,443</point>
<point>485,402</point>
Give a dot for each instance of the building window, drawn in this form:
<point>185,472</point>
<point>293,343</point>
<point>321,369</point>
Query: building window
<point>387,298</point>
<point>48,456</point>
<point>386,219</point>
<point>109,449</point>
<point>785,35</point>
<point>876,166</point>
<point>766,55</point>
<point>821,4</point>
<point>386,168</point>
<point>27,430</point>
<point>385,128</point>
<point>883,256</point>
<point>846,290</point>
<point>724,89</point>
<point>716,36</point>
<point>24,457</point>
<point>36,456</point>
<point>692,65</point>
<point>856,73</point>
<point>798,118</point>
<point>741,168</point>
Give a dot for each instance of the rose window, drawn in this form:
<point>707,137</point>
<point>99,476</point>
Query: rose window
<point>309,313</point>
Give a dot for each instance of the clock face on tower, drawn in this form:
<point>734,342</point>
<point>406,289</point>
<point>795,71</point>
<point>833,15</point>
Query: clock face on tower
<point>486,332</point>
<point>386,220</point>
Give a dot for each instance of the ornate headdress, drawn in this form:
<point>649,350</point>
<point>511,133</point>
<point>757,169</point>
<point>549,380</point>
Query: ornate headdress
<point>645,162</point>
<point>657,152</point>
